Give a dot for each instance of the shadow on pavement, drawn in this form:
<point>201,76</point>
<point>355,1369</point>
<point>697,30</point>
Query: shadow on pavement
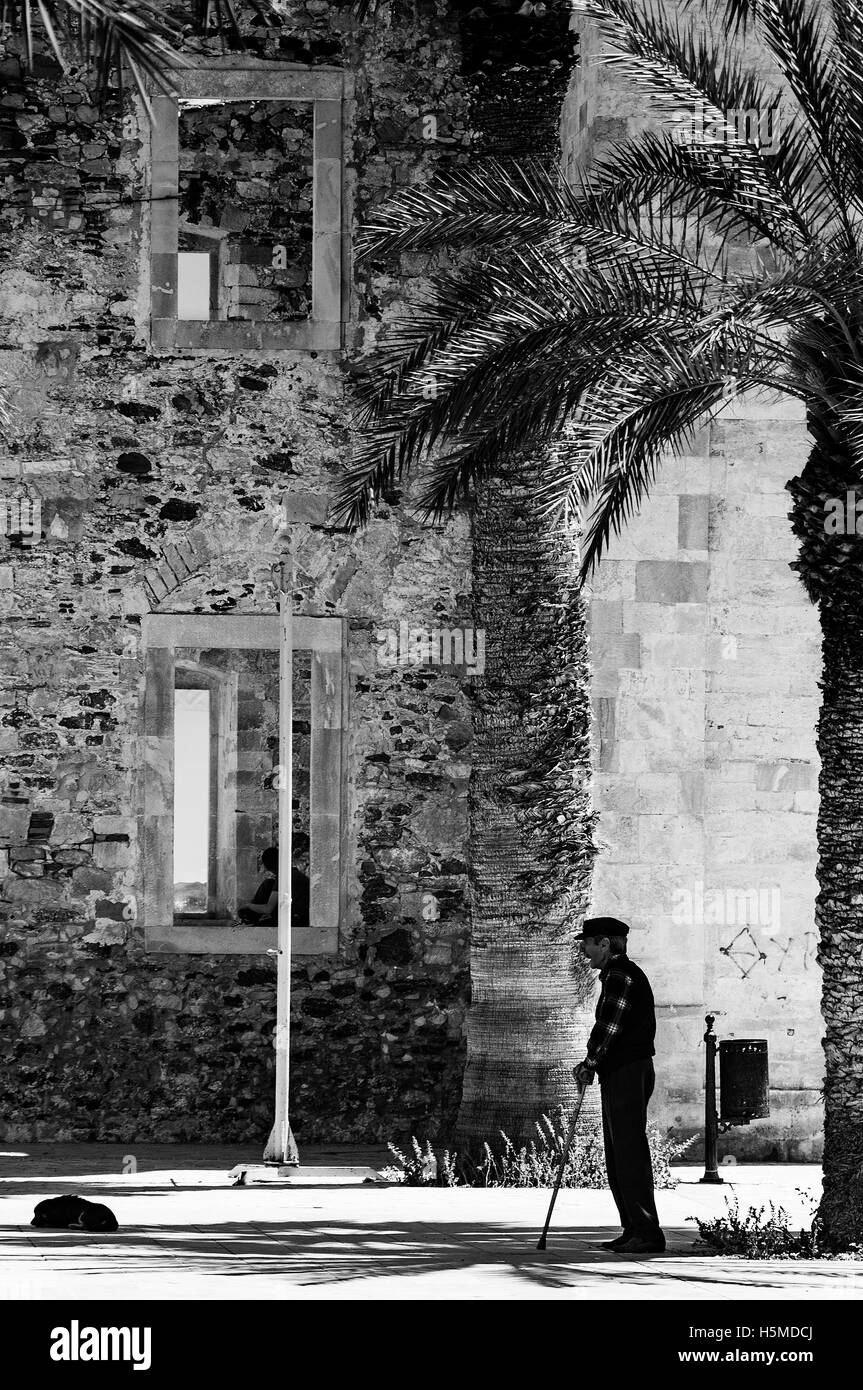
<point>335,1252</point>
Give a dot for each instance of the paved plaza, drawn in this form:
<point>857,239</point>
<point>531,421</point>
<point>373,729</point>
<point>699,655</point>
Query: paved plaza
<point>187,1232</point>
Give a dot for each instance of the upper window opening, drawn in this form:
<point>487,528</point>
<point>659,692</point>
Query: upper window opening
<point>245,210</point>
<point>246,213</point>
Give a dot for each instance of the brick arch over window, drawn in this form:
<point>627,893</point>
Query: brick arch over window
<point>256,545</point>
<point>182,560</point>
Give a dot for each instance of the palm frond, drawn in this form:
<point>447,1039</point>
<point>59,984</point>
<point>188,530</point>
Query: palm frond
<point>513,374</point>
<point>735,16</point>
<point>635,375</point>
<point>814,351</point>
<point>738,345</point>
<point>511,398</point>
<point>652,419</point>
<point>103,34</point>
<point>609,357</point>
<point>528,290</point>
<point>738,192</point>
<point>654,198</point>
<point>848,21</point>
<point>486,204</point>
<point>108,35</point>
<point>675,66</point>
<point>652,233</point>
<point>514,379</point>
<point>494,205</point>
<point>633,453</point>
<point>799,36</point>
<point>450,305</point>
<point>815,44</point>
<point>788,299</point>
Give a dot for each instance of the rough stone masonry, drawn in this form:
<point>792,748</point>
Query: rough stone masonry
<point>161,477</point>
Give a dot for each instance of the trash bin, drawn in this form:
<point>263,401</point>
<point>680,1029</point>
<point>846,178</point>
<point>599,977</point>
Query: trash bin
<point>743,1080</point>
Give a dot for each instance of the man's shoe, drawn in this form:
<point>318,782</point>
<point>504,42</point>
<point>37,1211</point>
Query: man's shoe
<point>637,1245</point>
<point>616,1244</point>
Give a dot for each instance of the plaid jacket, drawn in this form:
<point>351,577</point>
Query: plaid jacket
<point>625,1019</point>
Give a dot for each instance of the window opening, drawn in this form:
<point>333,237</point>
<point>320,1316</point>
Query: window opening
<point>245,210</point>
<point>192,810</point>
<point>222,673</point>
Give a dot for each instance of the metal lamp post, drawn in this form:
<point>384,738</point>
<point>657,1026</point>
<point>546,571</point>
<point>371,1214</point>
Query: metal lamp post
<point>281,1147</point>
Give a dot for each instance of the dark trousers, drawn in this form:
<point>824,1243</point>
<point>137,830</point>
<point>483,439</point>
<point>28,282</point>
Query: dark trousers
<point>625,1094</point>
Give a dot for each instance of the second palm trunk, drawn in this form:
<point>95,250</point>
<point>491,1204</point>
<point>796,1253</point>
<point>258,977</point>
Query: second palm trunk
<point>531,817</point>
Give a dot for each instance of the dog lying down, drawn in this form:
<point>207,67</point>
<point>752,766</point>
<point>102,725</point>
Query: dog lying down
<point>76,1213</point>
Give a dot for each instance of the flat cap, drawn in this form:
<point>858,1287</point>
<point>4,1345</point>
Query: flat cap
<point>604,926</point>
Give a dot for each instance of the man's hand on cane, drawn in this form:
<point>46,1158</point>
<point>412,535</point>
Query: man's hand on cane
<point>583,1074</point>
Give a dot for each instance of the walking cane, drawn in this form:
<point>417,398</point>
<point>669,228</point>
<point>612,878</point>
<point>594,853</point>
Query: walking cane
<point>540,1244</point>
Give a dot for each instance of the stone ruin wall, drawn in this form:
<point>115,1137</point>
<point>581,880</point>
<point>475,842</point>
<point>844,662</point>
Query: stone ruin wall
<point>175,466</point>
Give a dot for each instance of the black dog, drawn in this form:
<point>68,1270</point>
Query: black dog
<point>74,1212</point>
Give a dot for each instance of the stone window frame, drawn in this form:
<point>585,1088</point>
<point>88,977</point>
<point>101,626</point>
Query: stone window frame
<point>231,79</point>
<point>325,638</point>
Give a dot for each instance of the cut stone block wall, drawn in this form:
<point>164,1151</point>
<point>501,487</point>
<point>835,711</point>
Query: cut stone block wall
<point>706,657</point>
<point>706,698</point>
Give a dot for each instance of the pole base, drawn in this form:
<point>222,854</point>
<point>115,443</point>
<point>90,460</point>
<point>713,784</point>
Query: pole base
<point>711,1177</point>
<point>282,1147</point>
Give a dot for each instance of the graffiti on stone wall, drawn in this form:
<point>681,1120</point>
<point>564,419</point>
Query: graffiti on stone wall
<point>747,952</point>
<point>744,951</point>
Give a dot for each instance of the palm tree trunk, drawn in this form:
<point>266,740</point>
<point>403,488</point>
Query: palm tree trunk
<point>531,819</point>
<point>831,567</point>
<point>839,915</point>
